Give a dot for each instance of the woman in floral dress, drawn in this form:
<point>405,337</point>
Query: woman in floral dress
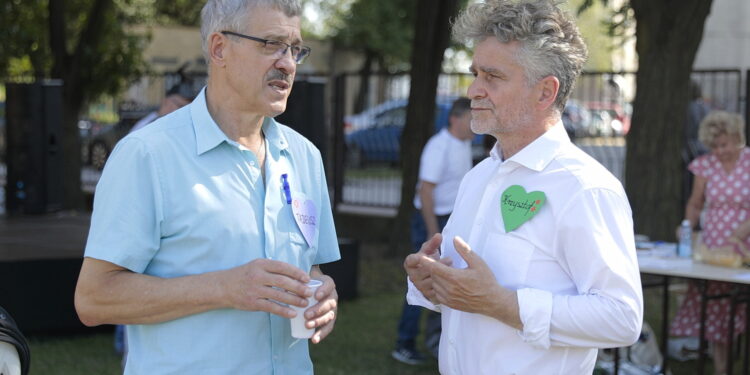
<point>721,192</point>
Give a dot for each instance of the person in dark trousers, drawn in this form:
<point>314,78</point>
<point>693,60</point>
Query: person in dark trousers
<point>445,160</point>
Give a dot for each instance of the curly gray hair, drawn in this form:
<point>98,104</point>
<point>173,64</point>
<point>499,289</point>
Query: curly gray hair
<point>231,15</point>
<point>550,43</point>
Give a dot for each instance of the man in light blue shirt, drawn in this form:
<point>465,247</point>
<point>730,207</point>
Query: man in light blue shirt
<point>208,223</point>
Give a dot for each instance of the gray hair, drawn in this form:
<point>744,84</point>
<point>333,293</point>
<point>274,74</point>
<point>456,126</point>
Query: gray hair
<point>231,15</point>
<point>719,123</point>
<point>550,43</point>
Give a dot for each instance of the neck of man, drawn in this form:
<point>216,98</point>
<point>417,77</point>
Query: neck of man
<point>238,124</point>
<point>514,141</point>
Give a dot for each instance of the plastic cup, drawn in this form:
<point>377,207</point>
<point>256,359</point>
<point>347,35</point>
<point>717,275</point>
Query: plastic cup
<point>298,322</point>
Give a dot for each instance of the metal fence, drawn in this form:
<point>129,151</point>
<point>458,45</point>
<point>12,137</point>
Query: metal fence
<point>597,118</point>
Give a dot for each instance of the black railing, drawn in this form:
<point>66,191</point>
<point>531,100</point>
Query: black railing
<point>597,118</point>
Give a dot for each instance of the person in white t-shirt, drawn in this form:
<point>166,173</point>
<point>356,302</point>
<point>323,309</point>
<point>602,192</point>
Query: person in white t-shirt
<point>445,160</point>
<point>538,268</point>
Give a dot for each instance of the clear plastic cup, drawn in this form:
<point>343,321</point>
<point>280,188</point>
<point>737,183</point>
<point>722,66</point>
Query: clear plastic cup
<point>298,322</point>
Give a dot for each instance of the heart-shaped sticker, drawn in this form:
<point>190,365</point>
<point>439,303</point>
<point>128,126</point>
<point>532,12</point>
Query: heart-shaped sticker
<point>306,216</point>
<point>518,206</point>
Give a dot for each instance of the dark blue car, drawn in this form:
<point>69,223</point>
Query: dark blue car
<point>374,136</point>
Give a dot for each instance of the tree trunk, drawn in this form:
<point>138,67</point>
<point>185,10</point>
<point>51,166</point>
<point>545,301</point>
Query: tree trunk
<point>364,81</point>
<point>68,68</point>
<point>431,38</point>
<point>668,34</point>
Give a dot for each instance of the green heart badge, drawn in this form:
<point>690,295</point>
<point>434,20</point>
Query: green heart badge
<point>518,206</point>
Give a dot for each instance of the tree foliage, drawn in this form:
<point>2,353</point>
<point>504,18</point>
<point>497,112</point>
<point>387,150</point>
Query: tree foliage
<point>178,12</point>
<point>91,45</point>
<point>668,34</point>
<point>383,28</point>
<point>432,37</point>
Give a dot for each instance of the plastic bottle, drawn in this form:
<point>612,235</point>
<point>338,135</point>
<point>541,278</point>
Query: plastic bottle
<point>684,247</point>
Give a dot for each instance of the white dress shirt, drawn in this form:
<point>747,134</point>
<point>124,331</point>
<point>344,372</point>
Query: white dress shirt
<point>573,265</point>
<point>444,162</point>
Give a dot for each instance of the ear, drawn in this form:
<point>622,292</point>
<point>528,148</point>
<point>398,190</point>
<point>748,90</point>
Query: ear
<point>547,89</point>
<point>217,44</point>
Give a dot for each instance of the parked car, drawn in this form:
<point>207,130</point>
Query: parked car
<point>619,116</point>
<point>576,119</point>
<point>374,135</point>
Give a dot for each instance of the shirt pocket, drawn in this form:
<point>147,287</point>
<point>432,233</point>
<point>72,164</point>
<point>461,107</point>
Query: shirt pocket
<point>509,258</point>
<point>296,237</point>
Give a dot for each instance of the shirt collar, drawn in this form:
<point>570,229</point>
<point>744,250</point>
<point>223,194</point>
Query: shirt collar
<point>539,153</point>
<point>275,138</point>
<point>207,132</point>
<point>208,135</point>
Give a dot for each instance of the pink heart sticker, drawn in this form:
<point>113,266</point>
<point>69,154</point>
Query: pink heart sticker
<point>306,216</point>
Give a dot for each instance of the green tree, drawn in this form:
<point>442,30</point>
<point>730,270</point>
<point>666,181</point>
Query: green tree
<point>82,42</point>
<point>89,44</point>
<point>431,38</point>
<point>382,31</point>
<point>668,34</point>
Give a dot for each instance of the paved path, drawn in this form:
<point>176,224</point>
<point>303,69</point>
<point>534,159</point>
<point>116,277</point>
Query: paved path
<point>34,237</point>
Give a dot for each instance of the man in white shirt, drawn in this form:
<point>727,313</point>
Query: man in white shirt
<point>445,160</point>
<point>538,269</point>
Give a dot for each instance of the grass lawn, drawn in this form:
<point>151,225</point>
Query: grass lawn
<point>361,343</point>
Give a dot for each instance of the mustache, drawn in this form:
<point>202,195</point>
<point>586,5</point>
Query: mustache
<point>481,103</point>
<point>276,74</point>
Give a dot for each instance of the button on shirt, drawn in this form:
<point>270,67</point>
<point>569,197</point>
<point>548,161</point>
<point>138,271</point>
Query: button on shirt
<point>573,265</point>
<point>179,198</point>
<point>444,162</point>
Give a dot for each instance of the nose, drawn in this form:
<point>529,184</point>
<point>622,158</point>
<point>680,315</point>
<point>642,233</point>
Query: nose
<point>475,91</point>
<point>286,62</point>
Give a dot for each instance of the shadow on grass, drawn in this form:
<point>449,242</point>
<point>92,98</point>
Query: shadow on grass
<point>361,343</point>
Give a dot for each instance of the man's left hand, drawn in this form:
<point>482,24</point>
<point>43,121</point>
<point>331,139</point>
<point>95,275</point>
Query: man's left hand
<point>472,289</point>
<point>322,315</point>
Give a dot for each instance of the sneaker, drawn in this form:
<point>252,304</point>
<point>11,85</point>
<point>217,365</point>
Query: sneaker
<point>408,356</point>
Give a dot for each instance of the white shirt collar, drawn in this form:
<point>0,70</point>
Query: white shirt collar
<point>539,153</point>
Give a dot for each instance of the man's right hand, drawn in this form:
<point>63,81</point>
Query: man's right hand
<point>415,265</point>
<point>264,284</point>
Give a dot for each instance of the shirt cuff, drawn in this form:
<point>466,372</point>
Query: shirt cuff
<point>535,311</point>
<point>416,298</point>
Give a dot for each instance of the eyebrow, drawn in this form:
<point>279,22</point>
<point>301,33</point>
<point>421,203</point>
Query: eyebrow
<point>281,38</point>
<point>486,69</point>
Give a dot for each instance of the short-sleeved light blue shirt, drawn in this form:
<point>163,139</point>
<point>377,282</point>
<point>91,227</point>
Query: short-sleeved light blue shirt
<point>179,198</point>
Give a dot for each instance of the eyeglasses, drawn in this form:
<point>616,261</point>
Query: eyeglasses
<point>275,48</point>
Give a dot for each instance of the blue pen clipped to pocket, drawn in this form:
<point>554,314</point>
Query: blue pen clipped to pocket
<point>285,186</point>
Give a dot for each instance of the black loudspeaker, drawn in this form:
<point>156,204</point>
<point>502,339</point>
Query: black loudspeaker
<point>34,118</point>
<point>305,113</point>
<point>345,271</point>
<point>39,294</point>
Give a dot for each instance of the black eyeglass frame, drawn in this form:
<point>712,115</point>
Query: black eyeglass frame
<point>304,51</point>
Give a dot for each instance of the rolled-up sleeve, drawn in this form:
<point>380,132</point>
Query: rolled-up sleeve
<point>597,249</point>
<point>535,310</point>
